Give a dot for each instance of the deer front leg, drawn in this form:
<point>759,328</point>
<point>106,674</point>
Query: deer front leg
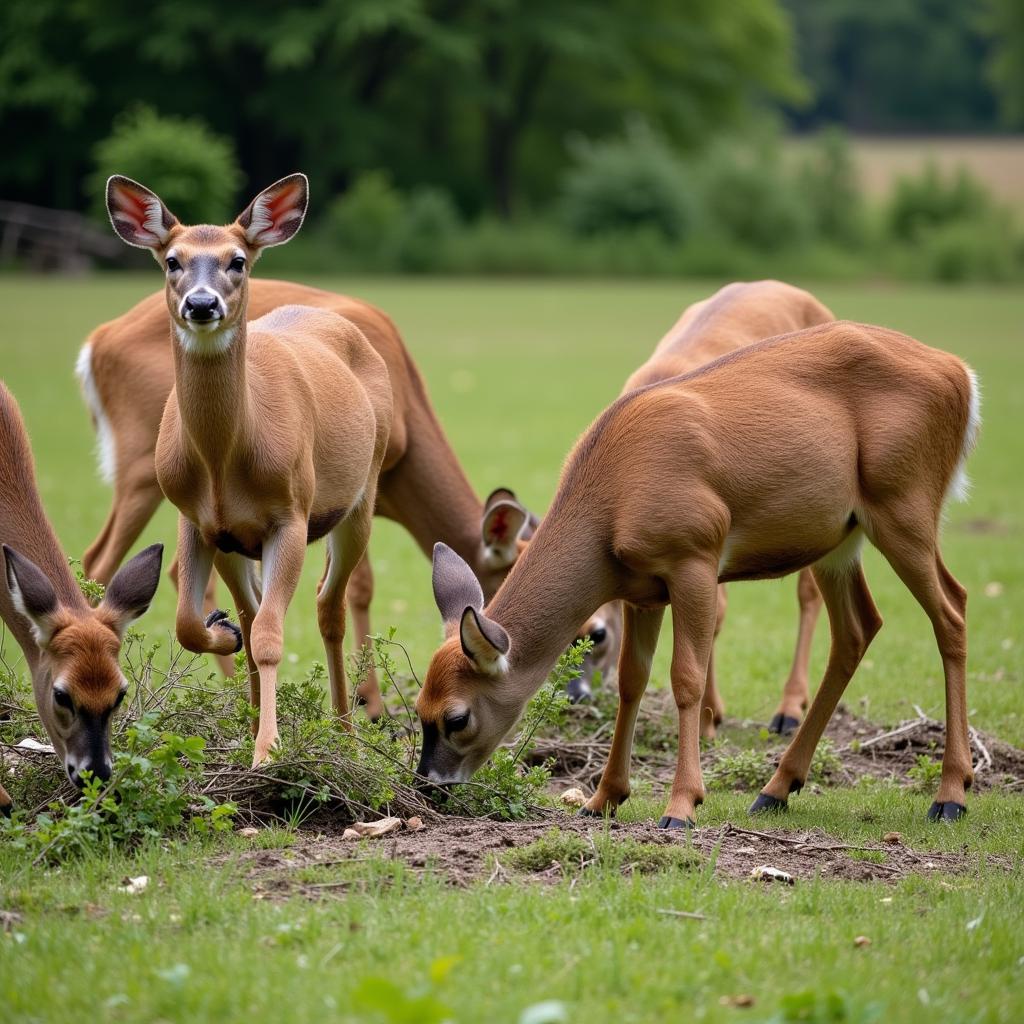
<point>283,554</point>
<point>796,694</point>
<point>693,592</point>
<point>225,661</point>
<point>210,634</point>
<point>713,710</point>
<point>640,629</point>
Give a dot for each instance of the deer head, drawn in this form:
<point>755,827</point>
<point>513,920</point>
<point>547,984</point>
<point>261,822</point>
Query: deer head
<point>78,681</point>
<point>207,267</point>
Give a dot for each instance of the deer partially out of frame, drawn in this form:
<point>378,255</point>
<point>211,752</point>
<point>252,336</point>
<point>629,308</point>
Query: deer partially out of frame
<point>733,318</point>
<point>126,368</point>
<point>780,456</point>
<point>273,436</point>
<point>71,650</point>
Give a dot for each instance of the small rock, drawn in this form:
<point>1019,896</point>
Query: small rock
<point>742,1001</point>
<point>350,833</point>
<point>134,886</point>
<point>249,832</point>
<point>415,824</point>
<point>892,837</point>
<point>28,743</point>
<point>574,797</point>
<point>746,849</point>
<point>376,829</point>
<point>766,873</point>
<point>861,941</point>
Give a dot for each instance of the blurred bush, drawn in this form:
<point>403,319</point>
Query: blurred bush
<point>930,201</point>
<point>828,183</point>
<point>192,169</point>
<point>622,184</point>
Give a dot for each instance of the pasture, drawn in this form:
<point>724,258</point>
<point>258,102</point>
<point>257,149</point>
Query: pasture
<point>285,927</point>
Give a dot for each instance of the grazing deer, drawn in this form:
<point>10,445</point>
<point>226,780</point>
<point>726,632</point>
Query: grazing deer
<point>71,650</point>
<point>783,455</point>
<point>126,369</point>
<point>273,436</point>
<point>733,318</point>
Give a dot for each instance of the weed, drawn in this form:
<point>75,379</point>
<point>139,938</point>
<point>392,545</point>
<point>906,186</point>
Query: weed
<point>573,853</point>
<point>745,770</point>
<point>925,774</point>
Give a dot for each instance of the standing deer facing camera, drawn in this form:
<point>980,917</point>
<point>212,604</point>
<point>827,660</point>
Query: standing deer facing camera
<point>273,436</point>
<point>71,650</point>
<point>784,455</point>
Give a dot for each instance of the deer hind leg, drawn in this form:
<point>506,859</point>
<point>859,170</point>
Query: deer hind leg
<point>359,595</point>
<point>712,710</point>
<point>136,499</point>
<point>855,621</point>
<point>240,576</point>
<point>912,550</point>
<point>346,546</point>
<point>796,693</point>
<point>693,591</point>
<point>640,629</point>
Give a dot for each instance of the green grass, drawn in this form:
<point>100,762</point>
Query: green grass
<point>516,371</point>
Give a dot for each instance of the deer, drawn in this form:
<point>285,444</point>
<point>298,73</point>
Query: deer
<point>71,650</point>
<point>126,372</point>
<point>272,438</point>
<point>735,316</point>
<point>784,455</point>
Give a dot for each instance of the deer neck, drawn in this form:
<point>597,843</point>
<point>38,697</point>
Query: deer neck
<point>557,584</point>
<point>212,388</point>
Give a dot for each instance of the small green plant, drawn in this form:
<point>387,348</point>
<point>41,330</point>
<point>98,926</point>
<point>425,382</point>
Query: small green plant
<point>573,853</point>
<point>825,763</point>
<point>745,770</point>
<point>925,774</point>
<point>92,590</point>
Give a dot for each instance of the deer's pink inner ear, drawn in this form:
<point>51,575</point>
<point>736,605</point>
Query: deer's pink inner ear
<point>138,216</point>
<point>276,214</point>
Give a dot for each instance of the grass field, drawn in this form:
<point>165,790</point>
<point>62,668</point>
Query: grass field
<point>516,371</point>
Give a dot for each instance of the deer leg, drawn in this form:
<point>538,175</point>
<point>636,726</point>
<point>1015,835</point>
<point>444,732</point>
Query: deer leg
<point>283,554</point>
<point>693,590</point>
<point>5,802</point>
<point>640,630</point>
<point>855,621</point>
<point>915,557</point>
<point>346,547</point>
<point>713,710</point>
<point>225,662</point>
<point>133,506</point>
<point>796,693</point>
<point>240,576</point>
<point>210,634</point>
<point>359,594</point>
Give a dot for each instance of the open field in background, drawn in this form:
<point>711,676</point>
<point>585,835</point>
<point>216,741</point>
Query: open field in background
<point>516,371</point>
<point>998,162</point>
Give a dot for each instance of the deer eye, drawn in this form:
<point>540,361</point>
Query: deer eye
<point>173,266</point>
<point>456,723</point>
<point>237,264</point>
<point>63,699</point>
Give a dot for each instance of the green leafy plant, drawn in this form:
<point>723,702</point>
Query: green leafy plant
<point>925,774</point>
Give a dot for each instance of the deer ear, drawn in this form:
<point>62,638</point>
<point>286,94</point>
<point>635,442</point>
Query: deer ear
<point>32,595</point>
<point>484,642</point>
<point>455,586</point>
<point>138,215</point>
<point>505,521</point>
<point>276,214</point>
<point>132,588</point>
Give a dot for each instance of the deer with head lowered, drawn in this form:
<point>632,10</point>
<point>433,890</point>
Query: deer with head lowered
<point>126,369</point>
<point>784,455</point>
<point>273,436</point>
<point>71,650</point>
<point>734,317</point>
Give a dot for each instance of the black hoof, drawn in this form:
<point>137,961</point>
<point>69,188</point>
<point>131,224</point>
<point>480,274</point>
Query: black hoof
<point>220,619</point>
<point>673,823</point>
<point>766,804</point>
<point>586,812</point>
<point>948,811</point>
<point>6,810</point>
<point>783,725</point>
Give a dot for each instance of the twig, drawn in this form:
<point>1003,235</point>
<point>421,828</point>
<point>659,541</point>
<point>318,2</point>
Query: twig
<point>985,761</point>
<point>687,915</point>
<point>899,731</point>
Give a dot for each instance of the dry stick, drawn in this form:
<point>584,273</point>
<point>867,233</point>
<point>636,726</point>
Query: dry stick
<point>806,847</point>
<point>899,731</point>
<point>986,758</point>
<point>687,915</point>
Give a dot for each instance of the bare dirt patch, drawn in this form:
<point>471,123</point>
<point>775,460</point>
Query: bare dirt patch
<point>462,852</point>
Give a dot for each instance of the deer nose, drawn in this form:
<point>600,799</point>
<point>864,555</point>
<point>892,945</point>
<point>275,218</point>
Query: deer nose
<point>201,307</point>
<point>100,770</point>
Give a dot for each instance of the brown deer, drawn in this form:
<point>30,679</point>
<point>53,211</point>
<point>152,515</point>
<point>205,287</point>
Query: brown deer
<point>273,436</point>
<point>71,650</point>
<point>783,455</point>
<point>734,317</point>
<point>126,369</point>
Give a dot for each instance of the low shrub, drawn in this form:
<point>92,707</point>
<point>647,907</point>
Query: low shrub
<point>931,200</point>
